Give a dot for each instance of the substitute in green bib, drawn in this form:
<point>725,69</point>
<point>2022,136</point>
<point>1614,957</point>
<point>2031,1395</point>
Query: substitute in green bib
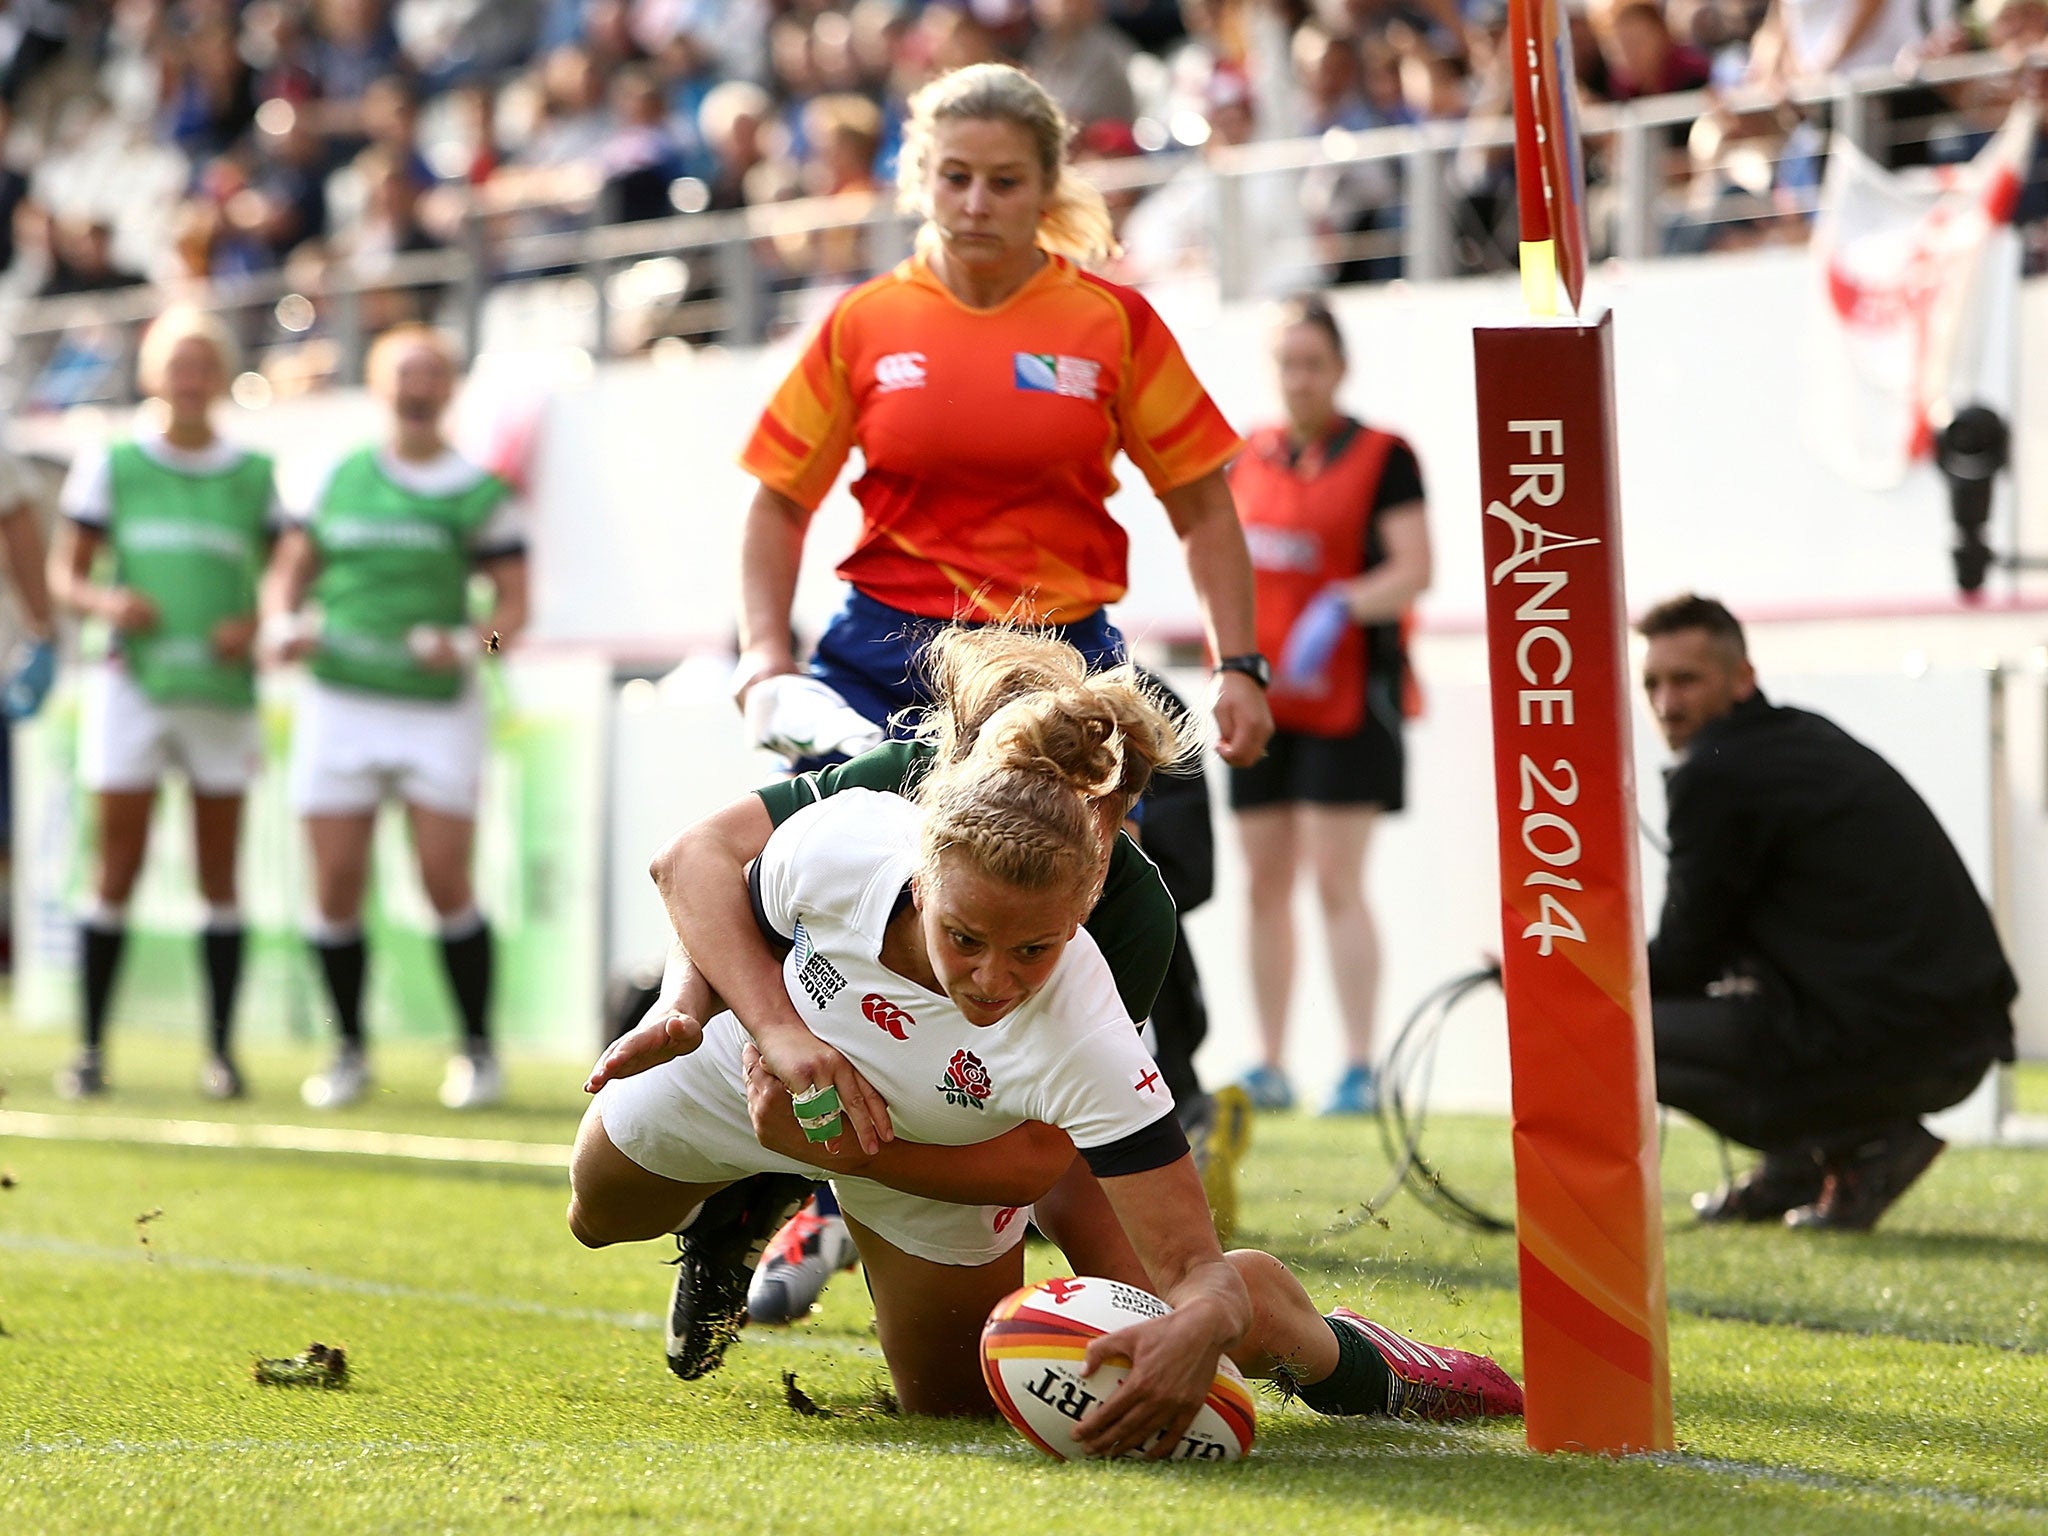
<point>163,541</point>
<point>392,709</point>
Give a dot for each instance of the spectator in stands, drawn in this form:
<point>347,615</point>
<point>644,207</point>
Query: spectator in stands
<point>353,46</point>
<point>1824,971</point>
<point>453,43</point>
<point>1330,77</point>
<point>13,186</point>
<point>1352,208</point>
<point>688,72</point>
<point>38,34</point>
<point>286,200</point>
<point>472,156</point>
<point>1436,86</point>
<point>574,123</point>
<point>236,236</point>
<point>1082,61</point>
<point>1432,25</point>
<point>211,100</point>
<point>1802,41</point>
<point>82,258</point>
<point>2014,27</point>
<point>732,121</point>
<point>390,223</point>
<point>1175,227</point>
<point>844,132</point>
<point>642,157</point>
<point>280,49</point>
<point>1643,58</point>
<point>391,122</point>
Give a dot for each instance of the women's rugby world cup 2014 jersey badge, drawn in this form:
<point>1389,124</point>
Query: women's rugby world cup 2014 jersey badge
<point>817,975</point>
<point>966,1082</point>
<point>1047,373</point>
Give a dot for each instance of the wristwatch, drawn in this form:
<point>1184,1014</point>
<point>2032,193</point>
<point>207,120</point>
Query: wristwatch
<point>1252,665</point>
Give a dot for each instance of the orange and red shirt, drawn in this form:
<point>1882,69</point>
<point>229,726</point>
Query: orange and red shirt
<point>988,436</point>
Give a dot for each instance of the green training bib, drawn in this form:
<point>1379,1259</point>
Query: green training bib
<point>390,560</point>
<point>193,544</point>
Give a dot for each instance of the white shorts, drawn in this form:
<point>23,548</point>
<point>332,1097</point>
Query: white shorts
<point>351,751</point>
<point>687,1120</point>
<point>127,741</point>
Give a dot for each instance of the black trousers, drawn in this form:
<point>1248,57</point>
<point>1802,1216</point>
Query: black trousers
<point>1728,1062</point>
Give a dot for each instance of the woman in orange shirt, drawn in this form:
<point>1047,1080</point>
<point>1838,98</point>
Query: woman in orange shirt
<point>989,382</point>
<point>1333,511</point>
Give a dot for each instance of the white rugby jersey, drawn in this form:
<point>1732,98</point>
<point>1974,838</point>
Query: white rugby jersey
<point>1069,1056</point>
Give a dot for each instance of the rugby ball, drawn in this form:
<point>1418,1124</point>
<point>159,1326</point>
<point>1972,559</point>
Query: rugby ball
<point>1031,1353</point>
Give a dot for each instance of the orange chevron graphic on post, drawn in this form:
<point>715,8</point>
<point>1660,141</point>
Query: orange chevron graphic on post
<point>1588,1224</point>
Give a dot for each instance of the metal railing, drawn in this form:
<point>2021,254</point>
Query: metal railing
<point>726,276</point>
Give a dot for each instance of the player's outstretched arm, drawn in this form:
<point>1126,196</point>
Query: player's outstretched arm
<point>703,883</point>
<point>673,1026</point>
<point>1173,1358</point>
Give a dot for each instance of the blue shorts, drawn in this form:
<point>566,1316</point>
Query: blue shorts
<point>869,656</point>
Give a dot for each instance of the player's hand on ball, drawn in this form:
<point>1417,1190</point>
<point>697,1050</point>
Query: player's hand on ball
<point>1173,1361</point>
<point>800,1061</point>
<point>663,1035</point>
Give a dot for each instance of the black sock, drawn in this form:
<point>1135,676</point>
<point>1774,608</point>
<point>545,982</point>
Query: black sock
<point>468,960</point>
<point>342,962</point>
<point>102,945</point>
<point>1360,1384</point>
<point>222,948</point>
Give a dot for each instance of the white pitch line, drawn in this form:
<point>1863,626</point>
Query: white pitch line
<point>281,1138</point>
<point>313,1280</point>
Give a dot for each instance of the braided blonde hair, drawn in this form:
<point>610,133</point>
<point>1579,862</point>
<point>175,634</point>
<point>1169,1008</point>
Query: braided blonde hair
<point>1029,742</point>
<point>1075,222</point>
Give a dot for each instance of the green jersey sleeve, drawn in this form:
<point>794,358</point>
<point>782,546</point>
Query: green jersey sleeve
<point>893,768</point>
<point>1135,925</point>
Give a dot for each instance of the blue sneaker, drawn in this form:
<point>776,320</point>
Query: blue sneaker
<point>1357,1093</point>
<point>1268,1088</point>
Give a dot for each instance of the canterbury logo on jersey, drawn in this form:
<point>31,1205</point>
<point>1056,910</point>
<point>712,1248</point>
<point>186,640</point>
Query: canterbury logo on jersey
<point>1047,373</point>
<point>886,1016</point>
<point>186,538</point>
<point>376,533</point>
<point>899,370</point>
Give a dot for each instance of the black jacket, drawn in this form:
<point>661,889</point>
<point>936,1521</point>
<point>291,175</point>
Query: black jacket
<point>1795,845</point>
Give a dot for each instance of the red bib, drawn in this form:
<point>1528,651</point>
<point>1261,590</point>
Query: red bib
<point>1305,523</point>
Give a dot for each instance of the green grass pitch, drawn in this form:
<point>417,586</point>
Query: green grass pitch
<point>504,1379</point>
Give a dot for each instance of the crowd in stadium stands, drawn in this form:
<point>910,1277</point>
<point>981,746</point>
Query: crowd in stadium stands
<point>174,140</point>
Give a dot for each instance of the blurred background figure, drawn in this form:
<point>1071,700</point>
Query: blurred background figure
<point>187,519</point>
<point>393,708</point>
<point>1335,517</point>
